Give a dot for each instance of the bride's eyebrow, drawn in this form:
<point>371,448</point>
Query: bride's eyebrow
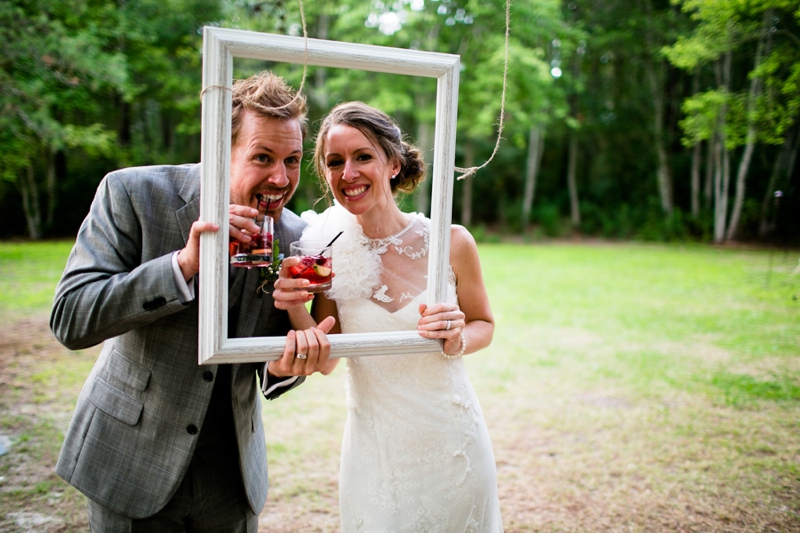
<point>359,150</point>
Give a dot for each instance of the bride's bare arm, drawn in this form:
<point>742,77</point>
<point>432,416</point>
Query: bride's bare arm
<point>322,308</point>
<point>473,316</point>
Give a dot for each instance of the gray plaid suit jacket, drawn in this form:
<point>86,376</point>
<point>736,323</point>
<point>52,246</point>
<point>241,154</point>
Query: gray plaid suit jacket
<point>139,414</point>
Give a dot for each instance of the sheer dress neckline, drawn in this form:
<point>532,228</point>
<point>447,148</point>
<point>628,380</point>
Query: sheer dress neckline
<point>404,270</point>
<point>380,245</point>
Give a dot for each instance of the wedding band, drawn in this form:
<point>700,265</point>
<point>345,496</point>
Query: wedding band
<point>448,326</point>
<point>301,356</point>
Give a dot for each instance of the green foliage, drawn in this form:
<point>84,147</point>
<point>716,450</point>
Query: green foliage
<point>97,80</point>
<point>550,219</point>
<point>701,112</point>
<point>87,87</point>
<point>55,62</point>
<point>645,223</point>
<point>731,26</point>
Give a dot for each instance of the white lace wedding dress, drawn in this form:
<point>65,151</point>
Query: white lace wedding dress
<point>416,454</point>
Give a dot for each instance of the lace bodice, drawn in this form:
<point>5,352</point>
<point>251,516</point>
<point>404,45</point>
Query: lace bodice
<point>392,271</point>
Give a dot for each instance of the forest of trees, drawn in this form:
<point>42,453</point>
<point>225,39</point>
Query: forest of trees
<point>643,119</point>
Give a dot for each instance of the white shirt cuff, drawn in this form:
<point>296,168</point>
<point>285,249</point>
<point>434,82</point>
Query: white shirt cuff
<point>285,383</point>
<point>185,290</point>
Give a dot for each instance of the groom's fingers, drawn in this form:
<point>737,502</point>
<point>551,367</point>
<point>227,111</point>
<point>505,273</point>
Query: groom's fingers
<point>308,365</point>
<point>319,348</point>
<point>283,367</point>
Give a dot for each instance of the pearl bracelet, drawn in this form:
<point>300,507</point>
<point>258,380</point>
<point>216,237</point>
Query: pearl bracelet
<point>461,352</point>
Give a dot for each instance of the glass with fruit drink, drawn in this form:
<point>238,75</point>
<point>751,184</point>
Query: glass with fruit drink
<point>257,252</point>
<point>315,264</point>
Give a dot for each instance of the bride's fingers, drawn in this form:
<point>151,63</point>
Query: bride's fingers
<point>449,337</point>
<point>434,309</point>
<point>447,320</point>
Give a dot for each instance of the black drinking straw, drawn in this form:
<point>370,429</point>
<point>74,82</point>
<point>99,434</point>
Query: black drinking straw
<point>334,239</point>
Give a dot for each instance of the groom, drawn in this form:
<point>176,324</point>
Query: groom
<point>158,443</point>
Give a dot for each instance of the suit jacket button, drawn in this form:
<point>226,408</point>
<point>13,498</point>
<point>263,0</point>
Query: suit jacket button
<point>191,429</point>
<point>154,304</point>
<point>208,376</point>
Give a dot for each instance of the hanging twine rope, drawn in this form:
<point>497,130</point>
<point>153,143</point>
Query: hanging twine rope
<point>467,172</point>
<point>262,107</point>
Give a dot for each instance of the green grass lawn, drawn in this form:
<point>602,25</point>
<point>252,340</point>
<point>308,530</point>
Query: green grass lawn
<point>29,273</point>
<point>654,309</point>
<point>629,387</point>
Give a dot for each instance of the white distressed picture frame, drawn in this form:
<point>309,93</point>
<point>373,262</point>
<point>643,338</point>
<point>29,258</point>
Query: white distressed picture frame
<point>220,46</point>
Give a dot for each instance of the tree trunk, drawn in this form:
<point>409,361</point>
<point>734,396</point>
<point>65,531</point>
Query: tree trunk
<point>655,78</point>
<point>575,212</point>
<point>535,150</point>
<point>422,197</point>
<point>663,174</point>
<point>722,155</point>
<point>744,164</point>
<point>466,192</point>
<point>320,93</point>
<point>50,187</point>
<point>30,203</point>
<point>425,133</point>
<point>720,187</point>
<point>738,201</point>
<point>707,186</point>
<point>697,156</point>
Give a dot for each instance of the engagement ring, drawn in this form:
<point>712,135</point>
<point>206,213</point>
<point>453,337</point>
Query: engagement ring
<point>301,356</point>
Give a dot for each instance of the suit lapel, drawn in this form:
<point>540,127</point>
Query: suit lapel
<point>186,215</point>
<point>190,193</point>
<point>236,281</point>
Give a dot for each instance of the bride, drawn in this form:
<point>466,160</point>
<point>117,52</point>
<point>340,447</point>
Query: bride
<point>416,454</point>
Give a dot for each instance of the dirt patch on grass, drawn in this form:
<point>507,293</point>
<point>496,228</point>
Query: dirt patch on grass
<point>34,414</point>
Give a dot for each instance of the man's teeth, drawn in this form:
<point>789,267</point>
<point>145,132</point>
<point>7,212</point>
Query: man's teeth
<point>356,191</point>
<point>271,197</point>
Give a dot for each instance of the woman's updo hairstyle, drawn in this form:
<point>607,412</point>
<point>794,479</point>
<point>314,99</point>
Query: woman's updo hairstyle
<point>383,132</point>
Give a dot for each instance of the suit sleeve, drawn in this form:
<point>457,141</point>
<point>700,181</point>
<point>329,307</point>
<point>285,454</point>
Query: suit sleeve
<point>111,284</point>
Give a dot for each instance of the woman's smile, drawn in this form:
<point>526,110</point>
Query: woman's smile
<point>355,192</point>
